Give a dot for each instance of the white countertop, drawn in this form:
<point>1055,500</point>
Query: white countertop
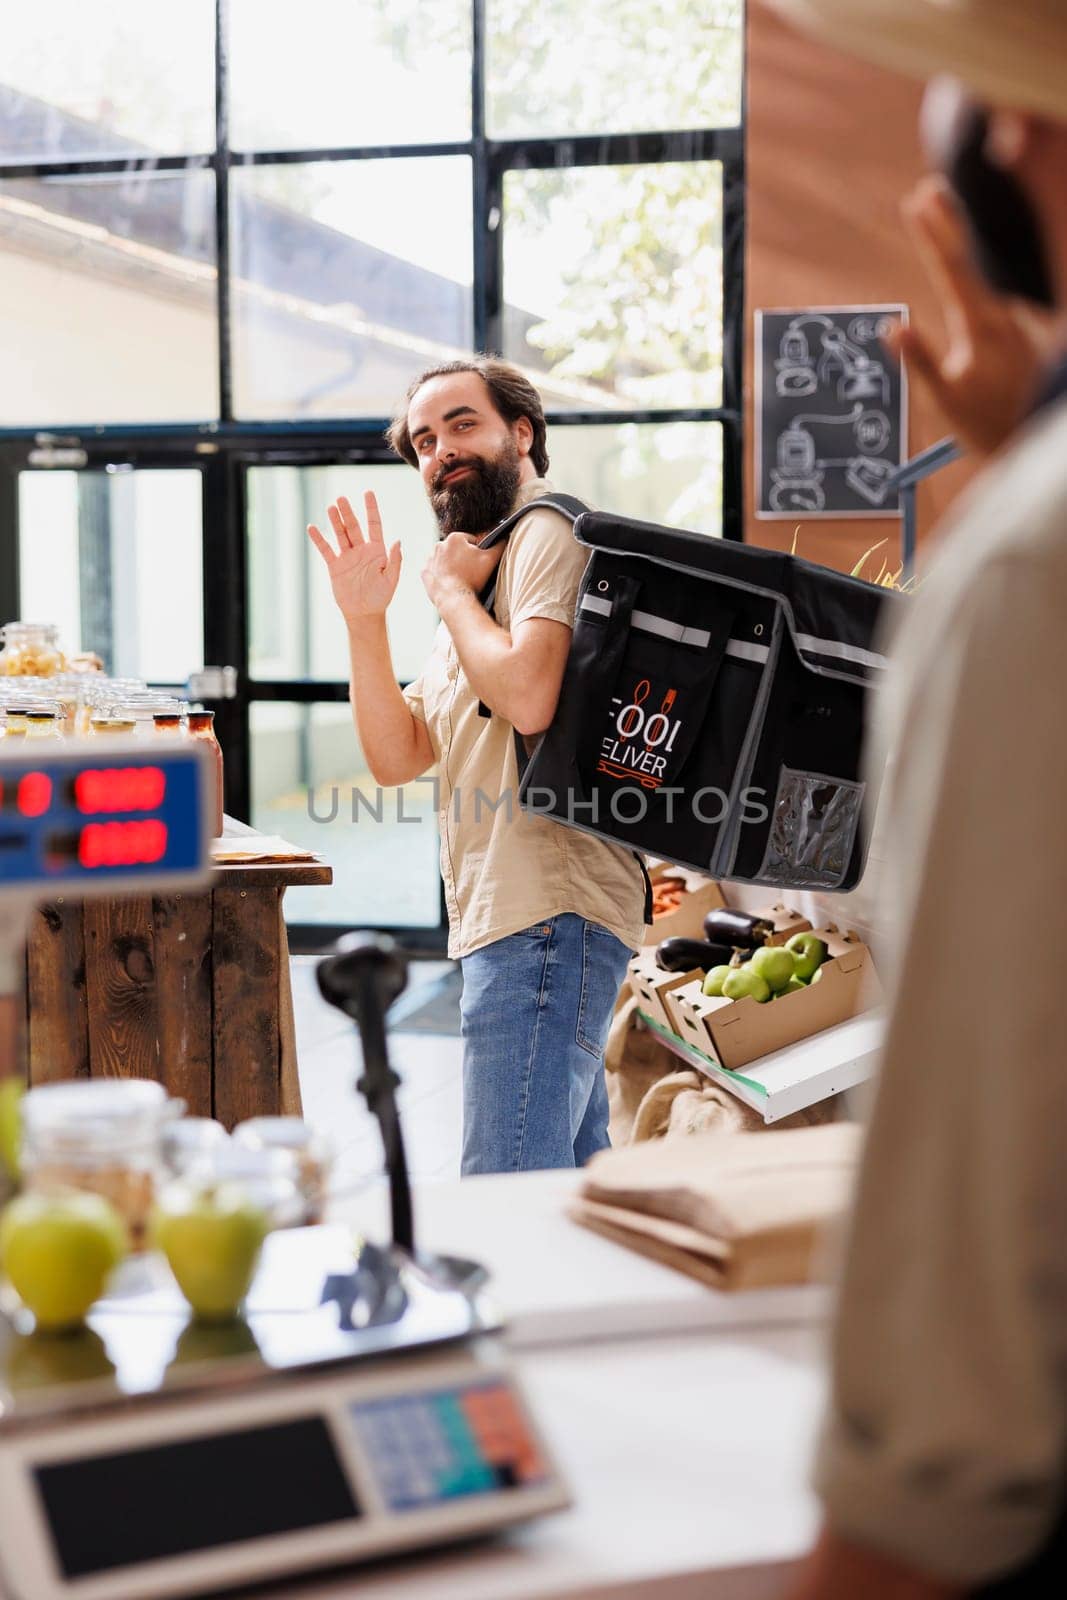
<point>683,1418</point>
<point>688,1459</point>
<point>557,1283</point>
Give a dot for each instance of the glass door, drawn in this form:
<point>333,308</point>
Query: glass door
<point>160,569</point>
<point>115,558</point>
<point>309,780</point>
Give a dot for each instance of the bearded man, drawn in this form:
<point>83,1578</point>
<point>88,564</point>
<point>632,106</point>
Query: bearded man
<point>542,918</point>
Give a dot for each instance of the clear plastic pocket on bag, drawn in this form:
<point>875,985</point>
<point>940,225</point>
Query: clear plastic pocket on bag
<point>812,830</point>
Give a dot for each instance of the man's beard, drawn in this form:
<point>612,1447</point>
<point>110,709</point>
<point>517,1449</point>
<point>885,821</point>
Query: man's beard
<point>482,499</point>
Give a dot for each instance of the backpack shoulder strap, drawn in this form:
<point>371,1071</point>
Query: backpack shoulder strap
<point>566,504</point>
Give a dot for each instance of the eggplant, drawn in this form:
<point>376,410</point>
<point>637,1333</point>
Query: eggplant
<point>737,928</point>
<point>682,955</point>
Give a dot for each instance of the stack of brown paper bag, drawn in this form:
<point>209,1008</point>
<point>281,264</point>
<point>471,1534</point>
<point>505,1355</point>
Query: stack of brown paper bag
<point>233,849</point>
<point>738,1211</point>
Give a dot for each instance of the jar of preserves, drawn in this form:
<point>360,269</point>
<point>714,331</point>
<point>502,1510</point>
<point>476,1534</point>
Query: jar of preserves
<point>69,703</point>
<point>86,661</point>
<point>43,722</point>
<point>268,1178</point>
<point>104,1135</point>
<point>109,725</point>
<point>30,650</point>
<point>202,726</point>
<point>309,1150</point>
<point>189,1139</point>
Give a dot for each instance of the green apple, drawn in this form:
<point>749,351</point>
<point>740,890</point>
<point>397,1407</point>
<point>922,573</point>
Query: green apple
<point>816,975</point>
<point>743,982</point>
<point>810,952</point>
<point>211,1235</point>
<point>10,1126</point>
<point>713,979</point>
<point>58,1250</point>
<point>775,965</point>
<point>794,985</point>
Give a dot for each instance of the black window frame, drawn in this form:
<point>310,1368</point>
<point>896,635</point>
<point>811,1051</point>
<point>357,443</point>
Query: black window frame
<point>224,449</point>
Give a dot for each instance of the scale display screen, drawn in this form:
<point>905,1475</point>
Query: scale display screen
<point>192,1495</point>
<point>82,816</point>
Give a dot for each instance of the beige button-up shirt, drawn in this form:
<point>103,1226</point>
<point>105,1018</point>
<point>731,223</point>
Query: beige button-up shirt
<point>505,869</point>
<point>946,1442</point>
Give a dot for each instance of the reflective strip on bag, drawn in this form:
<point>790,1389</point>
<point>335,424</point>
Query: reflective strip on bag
<point>839,651</point>
<point>747,652</point>
<point>646,622</point>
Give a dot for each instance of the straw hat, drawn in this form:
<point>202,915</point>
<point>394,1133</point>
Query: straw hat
<point>1008,52</point>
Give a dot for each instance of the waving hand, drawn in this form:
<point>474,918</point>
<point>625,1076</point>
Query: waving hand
<point>363,574</point>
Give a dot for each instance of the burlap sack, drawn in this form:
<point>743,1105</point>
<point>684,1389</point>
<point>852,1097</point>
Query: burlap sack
<point>651,1095</point>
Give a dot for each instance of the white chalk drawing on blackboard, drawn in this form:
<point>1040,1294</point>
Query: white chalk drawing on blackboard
<point>799,473</point>
<point>841,359</point>
<point>830,413</point>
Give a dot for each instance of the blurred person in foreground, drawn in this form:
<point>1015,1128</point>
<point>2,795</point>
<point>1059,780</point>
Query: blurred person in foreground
<point>543,919</point>
<point>942,1463</point>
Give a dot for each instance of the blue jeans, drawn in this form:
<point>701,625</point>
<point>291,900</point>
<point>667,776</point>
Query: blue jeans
<point>535,1014</point>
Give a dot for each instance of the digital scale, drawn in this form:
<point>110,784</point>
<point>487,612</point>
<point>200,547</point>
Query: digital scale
<point>360,1408</point>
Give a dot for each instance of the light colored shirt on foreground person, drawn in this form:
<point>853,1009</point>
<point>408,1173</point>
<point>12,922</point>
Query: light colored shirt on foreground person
<point>947,1438</point>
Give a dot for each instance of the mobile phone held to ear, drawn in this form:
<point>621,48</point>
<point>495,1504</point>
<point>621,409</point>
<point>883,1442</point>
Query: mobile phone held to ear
<point>1005,229</point>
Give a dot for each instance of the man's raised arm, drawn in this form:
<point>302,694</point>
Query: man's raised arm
<point>363,577</point>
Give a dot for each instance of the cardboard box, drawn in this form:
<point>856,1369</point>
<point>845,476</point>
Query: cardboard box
<point>786,923</point>
<point>736,1032</point>
<point>650,984</point>
<point>687,922</point>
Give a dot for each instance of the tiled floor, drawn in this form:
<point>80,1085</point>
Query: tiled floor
<point>429,1067</point>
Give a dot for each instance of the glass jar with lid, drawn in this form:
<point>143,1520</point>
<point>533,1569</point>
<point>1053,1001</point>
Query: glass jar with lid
<point>268,1178</point>
<point>70,698</point>
<point>310,1151</point>
<point>104,1135</point>
<point>141,707</point>
<point>202,726</point>
<point>43,722</point>
<point>30,650</point>
<point>188,1140</point>
<point>14,722</point>
<point>108,723</point>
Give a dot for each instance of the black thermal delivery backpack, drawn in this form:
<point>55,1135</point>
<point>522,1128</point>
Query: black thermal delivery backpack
<point>713,705</point>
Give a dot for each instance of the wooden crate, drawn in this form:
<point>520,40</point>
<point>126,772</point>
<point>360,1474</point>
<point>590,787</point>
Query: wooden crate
<point>191,990</point>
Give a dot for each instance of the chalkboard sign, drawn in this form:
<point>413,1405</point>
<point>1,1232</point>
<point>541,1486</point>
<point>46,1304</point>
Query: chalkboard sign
<point>831,413</point>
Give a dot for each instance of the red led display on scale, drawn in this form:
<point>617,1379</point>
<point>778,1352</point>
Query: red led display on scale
<point>34,794</point>
<point>122,844</point>
<point>119,789</point>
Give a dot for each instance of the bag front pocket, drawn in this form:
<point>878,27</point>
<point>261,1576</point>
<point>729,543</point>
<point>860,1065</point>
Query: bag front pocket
<point>813,829</point>
<point>648,680</point>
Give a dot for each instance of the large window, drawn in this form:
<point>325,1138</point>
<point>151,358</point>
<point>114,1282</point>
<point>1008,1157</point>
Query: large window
<point>232,232</point>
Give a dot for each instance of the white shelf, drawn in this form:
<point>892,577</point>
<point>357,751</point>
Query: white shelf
<point>801,1075</point>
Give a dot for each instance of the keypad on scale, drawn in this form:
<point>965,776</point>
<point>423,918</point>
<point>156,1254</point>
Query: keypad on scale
<point>435,1447</point>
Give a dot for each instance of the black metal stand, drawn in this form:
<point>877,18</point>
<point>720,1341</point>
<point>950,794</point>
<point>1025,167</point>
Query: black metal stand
<point>363,978</point>
<point>905,480</point>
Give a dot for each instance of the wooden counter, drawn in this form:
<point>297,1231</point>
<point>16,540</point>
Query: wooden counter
<point>192,990</point>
